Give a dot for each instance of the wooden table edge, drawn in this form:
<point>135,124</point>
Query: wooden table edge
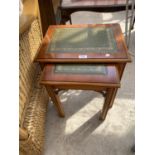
<point>59,83</point>
<point>64,60</point>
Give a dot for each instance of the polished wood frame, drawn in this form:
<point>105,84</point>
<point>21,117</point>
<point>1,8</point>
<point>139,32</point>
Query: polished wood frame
<point>120,56</point>
<point>100,83</point>
<point>119,59</point>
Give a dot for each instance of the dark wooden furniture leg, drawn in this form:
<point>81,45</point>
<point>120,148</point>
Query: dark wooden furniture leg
<point>109,97</point>
<point>56,101</point>
<point>70,19</point>
<point>113,97</point>
<point>120,68</point>
<point>132,26</point>
<point>64,17</point>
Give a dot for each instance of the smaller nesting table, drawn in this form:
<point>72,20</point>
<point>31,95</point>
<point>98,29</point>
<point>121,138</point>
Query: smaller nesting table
<point>96,77</point>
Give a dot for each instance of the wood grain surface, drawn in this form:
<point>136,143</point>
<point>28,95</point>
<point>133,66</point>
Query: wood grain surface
<point>121,54</point>
<point>110,79</point>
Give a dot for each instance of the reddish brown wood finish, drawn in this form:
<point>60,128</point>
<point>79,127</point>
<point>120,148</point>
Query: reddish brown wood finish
<point>109,84</point>
<point>53,82</point>
<point>120,56</point>
<point>56,101</point>
<point>112,77</point>
<point>120,68</point>
<point>108,100</point>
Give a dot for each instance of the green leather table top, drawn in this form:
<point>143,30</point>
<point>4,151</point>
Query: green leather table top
<point>81,69</point>
<point>82,40</point>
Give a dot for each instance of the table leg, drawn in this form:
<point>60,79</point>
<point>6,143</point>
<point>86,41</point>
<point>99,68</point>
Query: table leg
<point>120,68</point>
<point>70,20</point>
<point>56,101</point>
<point>65,17</point>
<point>108,99</point>
<point>113,97</point>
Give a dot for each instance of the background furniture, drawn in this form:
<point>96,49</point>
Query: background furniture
<point>47,13</point>
<point>131,22</point>
<point>67,7</point>
<point>33,99</point>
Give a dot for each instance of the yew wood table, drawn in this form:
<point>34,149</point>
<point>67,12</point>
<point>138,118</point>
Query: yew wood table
<point>96,77</point>
<point>98,43</point>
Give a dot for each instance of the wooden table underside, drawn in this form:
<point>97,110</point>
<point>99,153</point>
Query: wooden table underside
<point>109,99</point>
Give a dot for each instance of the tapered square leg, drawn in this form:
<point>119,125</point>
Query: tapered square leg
<point>113,97</point>
<point>110,95</point>
<point>56,101</point>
